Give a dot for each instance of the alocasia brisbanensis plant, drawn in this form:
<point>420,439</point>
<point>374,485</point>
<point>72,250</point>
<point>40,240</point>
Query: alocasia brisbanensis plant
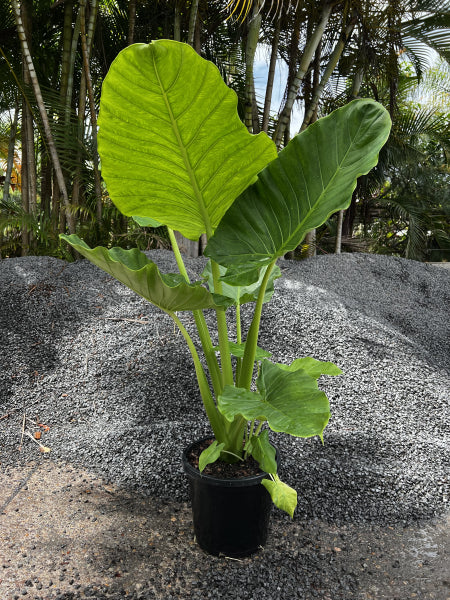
<point>175,152</point>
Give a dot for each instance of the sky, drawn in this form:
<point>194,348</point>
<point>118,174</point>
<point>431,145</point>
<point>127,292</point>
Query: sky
<point>261,69</point>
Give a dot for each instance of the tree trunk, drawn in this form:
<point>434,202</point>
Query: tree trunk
<point>76,186</point>
<point>255,112</point>
<point>70,70</point>
<point>357,82</point>
<point>46,183</point>
<point>177,22</point>
<point>11,151</point>
<point>253,27</point>
<point>310,240</point>
<point>198,38</point>
<point>271,76</point>
<point>189,247</point>
<point>332,63</point>
<point>28,158</point>
<point>25,177</point>
<point>87,75</point>
<point>349,218</point>
<point>307,57</point>
<point>40,102</point>
<point>192,22</point>
<point>66,46</point>
<point>337,246</point>
<point>131,21</point>
<point>76,190</point>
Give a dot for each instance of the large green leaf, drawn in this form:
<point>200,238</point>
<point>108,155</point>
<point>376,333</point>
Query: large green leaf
<point>290,402</point>
<point>313,177</point>
<point>170,292</point>
<point>171,142</point>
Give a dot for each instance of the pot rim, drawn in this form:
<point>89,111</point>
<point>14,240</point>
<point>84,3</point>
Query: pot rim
<point>224,482</point>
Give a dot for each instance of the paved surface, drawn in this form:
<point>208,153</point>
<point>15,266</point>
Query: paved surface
<point>65,531</point>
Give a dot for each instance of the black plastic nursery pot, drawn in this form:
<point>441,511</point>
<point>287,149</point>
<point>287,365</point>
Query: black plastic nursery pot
<point>231,516</point>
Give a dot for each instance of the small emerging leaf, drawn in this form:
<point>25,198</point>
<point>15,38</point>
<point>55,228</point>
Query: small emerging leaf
<point>237,350</point>
<point>283,496</point>
<point>147,222</point>
<point>210,455</point>
<point>240,288</point>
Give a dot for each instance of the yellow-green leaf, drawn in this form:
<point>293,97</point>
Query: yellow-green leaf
<point>283,496</point>
<point>170,139</point>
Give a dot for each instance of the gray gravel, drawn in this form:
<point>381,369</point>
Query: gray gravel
<point>121,399</point>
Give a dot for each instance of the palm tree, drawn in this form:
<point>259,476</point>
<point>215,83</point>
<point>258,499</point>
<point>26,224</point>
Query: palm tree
<point>411,181</point>
<point>20,9</point>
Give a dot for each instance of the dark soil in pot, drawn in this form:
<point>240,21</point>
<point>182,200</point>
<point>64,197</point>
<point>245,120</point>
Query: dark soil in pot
<point>230,507</point>
<point>220,469</point>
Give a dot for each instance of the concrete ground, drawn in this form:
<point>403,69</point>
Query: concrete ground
<point>65,533</point>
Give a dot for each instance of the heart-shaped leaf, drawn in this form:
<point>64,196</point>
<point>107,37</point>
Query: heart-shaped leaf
<point>171,142</point>
<point>313,177</point>
<point>290,402</point>
<point>170,292</point>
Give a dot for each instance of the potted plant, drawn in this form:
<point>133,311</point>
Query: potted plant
<point>174,152</point>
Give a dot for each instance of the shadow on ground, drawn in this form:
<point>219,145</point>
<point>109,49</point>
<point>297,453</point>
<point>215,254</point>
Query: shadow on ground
<point>65,533</point>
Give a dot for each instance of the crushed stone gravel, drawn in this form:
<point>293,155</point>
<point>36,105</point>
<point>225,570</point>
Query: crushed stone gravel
<point>114,381</point>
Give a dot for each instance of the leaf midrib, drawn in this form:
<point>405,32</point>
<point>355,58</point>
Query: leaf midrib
<point>184,154</point>
<point>282,250</point>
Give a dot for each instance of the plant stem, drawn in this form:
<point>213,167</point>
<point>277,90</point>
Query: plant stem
<point>177,253</point>
<point>248,361</point>
<point>202,327</point>
<point>238,323</point>
<point>258,429</point>
<point>225,356</point>
<point>238,339</point>
<point>214,416</point>
<point>232,454</point>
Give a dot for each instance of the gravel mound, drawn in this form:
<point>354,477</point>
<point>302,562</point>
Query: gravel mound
<point>115,382</point>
